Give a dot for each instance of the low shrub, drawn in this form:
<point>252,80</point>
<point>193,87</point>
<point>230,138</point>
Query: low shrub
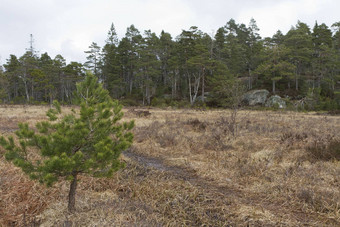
<point>334,112</point>
<point>129,102</point>
<point>200,106</point>
<point>197,124</point>
<point>159,102</point>
<point>324,149</point>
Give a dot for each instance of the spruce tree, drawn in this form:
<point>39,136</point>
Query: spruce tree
<point>88,141</point>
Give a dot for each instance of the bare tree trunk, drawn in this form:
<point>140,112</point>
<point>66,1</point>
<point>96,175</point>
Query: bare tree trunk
<point>250,84</point>
<point>190,96</point>
<point>148,95</point>
<point>26,89</point>
<point>32,90</point>
<point>174,84</point>
<point>16,92</point>
<point>130,87</point>
<point>203,88</point>
<point>196,87</point>
<point>51,96</point>
<point>175,92</point>
<point>72,194</point>
<point>296,81</point>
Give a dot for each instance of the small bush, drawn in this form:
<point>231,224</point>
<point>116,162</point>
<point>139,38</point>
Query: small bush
<point>140,113</point>
<point>292,137</point>
<point>18,100</point>
<point>197,124</point>
<point>129,102</point>
<point>200,106</point>
<point>334,112</point>
<point>319,200</point>
<point>168,138</point>
<point>216,141</point>
<point>159,102</point>
<point>324,149</point>
<point>180,104</point>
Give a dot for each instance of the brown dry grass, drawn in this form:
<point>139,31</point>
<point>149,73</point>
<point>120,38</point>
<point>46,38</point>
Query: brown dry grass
<point>186,169</point>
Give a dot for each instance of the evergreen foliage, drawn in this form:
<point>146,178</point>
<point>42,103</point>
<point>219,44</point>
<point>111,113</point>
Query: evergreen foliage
<point>88,142</point>
<point>142,66</point>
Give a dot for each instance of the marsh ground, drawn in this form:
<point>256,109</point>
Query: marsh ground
<point>186,168</point>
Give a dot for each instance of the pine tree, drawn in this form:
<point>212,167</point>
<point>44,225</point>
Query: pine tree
<point>196,59</point>
<point>3,86</point>
<point>149,66</point>
<point>112,37</point>
<point>59,64</point>
<point>113,81</point>
<point>48,82</point>
<point>128,56</point>
<point>253,50</point>
<point>12,73</point>
<point>166,46</point>
<point>28,62</point>
<point>276,67</point>
<point>93,59</point>
<point>67,146</point>
<point>69,75</point>
<point>235,49</point>
<point>220,39</point>
<point>299,41</point>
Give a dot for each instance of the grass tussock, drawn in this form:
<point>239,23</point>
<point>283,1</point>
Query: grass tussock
<point>324,149</point>
<point>194,168</point>
<point>22,199</point>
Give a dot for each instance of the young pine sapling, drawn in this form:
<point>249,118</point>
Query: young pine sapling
<point>65,146</point>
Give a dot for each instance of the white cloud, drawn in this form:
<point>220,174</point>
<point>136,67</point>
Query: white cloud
<point>68,27</point>
<point>285,14</point>
<point>280,16</point>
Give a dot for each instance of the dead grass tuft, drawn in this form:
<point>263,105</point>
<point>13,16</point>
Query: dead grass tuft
<point>21,199</point>
<point>324,149</point>
<point>197,124</point>
<point>139,113</point>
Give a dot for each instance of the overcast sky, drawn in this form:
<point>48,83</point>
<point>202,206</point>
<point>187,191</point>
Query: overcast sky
<point>68,27</point>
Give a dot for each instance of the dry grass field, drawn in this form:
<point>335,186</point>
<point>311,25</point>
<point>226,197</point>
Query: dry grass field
<point>186,168</point>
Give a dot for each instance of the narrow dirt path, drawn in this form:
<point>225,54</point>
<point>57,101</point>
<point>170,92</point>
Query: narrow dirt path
<point>239,197</point>
<point>183,173</point>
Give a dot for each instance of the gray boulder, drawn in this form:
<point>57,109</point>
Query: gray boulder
<point>255,97</point>
<point>276,100</point>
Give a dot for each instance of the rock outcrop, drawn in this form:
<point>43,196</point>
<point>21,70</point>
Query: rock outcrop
<point>275,101</point>
<point>255,97</point>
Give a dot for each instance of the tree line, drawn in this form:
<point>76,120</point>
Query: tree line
<point>195,68</point>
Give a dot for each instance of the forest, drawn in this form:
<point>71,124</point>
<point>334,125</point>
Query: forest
<point>192,69</point>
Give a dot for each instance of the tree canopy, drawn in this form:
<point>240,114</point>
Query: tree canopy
<point>143,68</point>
